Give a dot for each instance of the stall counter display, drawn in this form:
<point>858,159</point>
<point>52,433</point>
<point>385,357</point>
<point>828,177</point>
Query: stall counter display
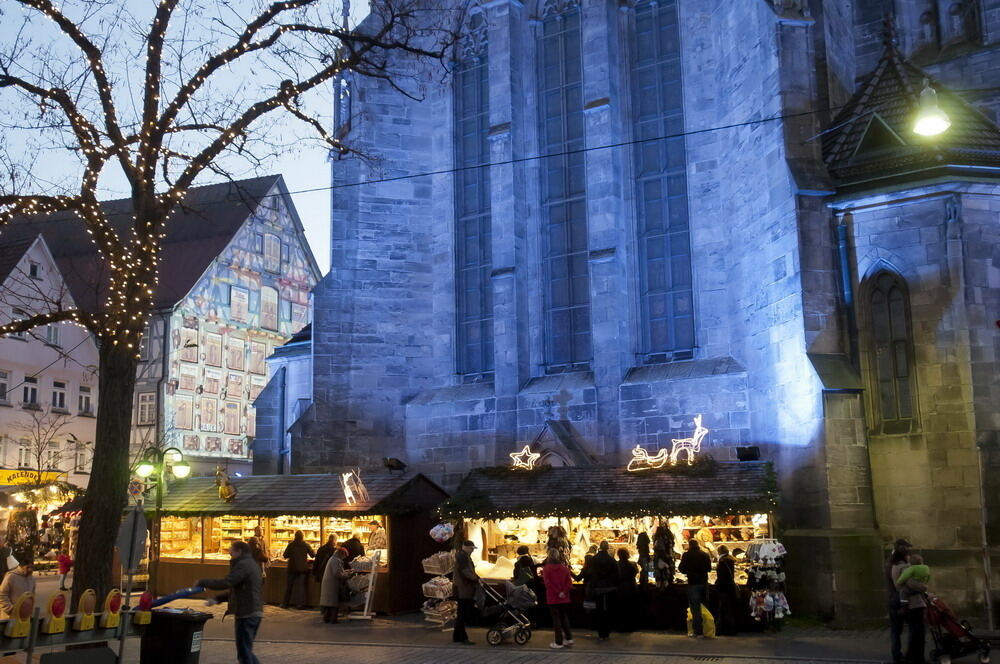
<point>498,540</point>
<point>180,537</point>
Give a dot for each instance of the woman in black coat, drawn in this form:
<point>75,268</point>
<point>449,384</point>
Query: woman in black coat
<point>627,593</point>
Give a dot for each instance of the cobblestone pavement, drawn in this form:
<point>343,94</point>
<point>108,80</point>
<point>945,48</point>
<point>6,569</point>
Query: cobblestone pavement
<point>219,652</point>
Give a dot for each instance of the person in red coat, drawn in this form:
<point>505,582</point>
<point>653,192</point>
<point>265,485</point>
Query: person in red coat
<point>65,565</point>
<point>558,589</point>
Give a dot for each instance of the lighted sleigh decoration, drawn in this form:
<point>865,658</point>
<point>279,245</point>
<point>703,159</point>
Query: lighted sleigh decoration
<point>641,460</point>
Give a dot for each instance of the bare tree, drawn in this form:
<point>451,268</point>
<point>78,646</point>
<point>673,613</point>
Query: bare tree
<point>160,99</point>
<point>39,436</point>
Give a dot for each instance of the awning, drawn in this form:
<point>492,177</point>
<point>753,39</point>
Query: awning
<point>303,495</point>
<point>707,488</point>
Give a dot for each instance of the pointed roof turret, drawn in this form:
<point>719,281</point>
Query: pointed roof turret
<point>872,139</point>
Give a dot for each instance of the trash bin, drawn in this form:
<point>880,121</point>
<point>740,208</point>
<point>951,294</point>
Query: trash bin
<point>173,637</point>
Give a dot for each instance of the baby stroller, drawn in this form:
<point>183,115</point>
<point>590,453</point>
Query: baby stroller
<point>952,638</point>
<point>509,612</point>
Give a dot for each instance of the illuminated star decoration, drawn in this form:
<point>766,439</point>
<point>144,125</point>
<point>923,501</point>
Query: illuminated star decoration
<point>525,458</point>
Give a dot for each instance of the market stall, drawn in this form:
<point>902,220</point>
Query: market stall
<point>717,503</point>
<point>386,512</point>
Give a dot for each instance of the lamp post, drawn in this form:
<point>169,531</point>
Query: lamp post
<point>155,462</point>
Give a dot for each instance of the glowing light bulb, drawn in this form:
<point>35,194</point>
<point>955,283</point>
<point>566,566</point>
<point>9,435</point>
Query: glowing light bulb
<point>930,120</point>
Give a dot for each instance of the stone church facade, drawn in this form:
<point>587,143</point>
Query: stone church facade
<point>692,207</point>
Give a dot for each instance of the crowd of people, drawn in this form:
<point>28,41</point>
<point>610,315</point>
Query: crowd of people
<point>611,583</point>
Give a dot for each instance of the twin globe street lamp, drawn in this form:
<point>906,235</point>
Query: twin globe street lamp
<point>156,462</point>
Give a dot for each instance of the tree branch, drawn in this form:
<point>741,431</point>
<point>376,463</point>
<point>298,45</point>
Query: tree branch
<point>96,65</point>
<point>88,320</point>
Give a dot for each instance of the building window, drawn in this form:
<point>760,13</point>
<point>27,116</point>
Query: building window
<point>932,27</point>
<point>18,315</point>
<point>258,243</point>
<point>147,409</point>
<point>58,395</point>
<point>473,251</point>
<point>29,392</point>
<point>52,456</point>
<point>891,354</point>
<point>86,406</point>
<point>24,455</point>
<point>4,386</point>
<point>80,459</point>
<point>144,344</point>
<point>34,270</point>
<point>661,185</point>
<point>564,204</point>
<point>52,335</point>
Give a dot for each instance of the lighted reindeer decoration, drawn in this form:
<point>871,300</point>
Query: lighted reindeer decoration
<point>690,445</point>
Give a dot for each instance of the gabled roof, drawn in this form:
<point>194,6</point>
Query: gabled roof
<point>197,233</point>
<point>11,254</point>
<point>303,495</point>
<point>707,488</point>
<point>872,138</point>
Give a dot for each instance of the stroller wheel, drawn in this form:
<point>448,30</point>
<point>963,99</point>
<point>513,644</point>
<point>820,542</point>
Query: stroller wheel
<point>984,656</point>
<point>494,637</point>
<point>940,657</point>
<point>523,635</point>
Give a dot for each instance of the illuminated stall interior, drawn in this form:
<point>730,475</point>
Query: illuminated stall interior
<point>716,503</point>
<point>384,511</point>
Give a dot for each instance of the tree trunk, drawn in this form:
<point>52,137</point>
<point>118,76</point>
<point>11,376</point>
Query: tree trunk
<point>107,490</point>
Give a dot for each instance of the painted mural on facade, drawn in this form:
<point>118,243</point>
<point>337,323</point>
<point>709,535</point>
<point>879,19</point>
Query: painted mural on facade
<point>253,297</point>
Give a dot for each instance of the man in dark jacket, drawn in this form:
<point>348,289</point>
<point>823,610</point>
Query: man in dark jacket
<point>354,547</point>
<point>297,553</point>
<point>323,555</point>
<point>245,597</point>
<point>466,582</point>
<point>696,564</point>
<point>725,585</point>
<point>602,584</point>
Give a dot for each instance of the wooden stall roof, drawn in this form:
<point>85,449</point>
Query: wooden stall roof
<point>707,488</point>
<point>303,495</point>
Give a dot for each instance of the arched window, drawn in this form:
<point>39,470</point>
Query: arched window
<point>472,205</point>
<point>661,184</point>
<point>342,105</point>
<point>891,354</point>
<point>563,187</point>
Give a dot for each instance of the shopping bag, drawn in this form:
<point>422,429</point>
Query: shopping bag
<point>707,623</point>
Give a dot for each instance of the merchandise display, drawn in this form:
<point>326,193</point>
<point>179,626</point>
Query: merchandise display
<point>210,537</point>
<point>766,581</point>
<point>499,540</point>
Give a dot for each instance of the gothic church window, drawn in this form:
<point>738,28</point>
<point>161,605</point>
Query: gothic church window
<point>661,184</point>
<point>563,188</point>
<point>891,354</point>
<point>473,252</point>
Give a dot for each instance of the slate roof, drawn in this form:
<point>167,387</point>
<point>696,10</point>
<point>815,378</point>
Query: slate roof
<point>196,234</point>
<point>722,488</point>
<point>890,95</point>
<point>11,254</point>
<point>295,495</point>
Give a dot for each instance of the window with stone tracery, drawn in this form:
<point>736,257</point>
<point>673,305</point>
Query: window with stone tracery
<point>890,362</point>
<point>661,184</point>
<point>473,254</point>
<point>563,188</point>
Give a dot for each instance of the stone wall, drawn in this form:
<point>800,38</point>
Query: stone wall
<point>927,482</point>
